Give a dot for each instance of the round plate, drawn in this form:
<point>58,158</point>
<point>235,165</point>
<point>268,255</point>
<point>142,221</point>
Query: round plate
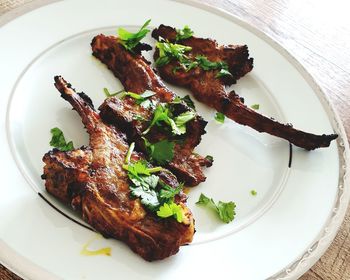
<point>279,233</point>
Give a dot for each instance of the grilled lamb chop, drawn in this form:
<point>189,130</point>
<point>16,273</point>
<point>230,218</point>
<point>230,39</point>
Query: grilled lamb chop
<point>94,182</point>
<point>137,76</point>
<point>210,89</point>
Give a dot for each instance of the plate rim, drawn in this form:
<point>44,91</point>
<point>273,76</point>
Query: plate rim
<point>321,242</point>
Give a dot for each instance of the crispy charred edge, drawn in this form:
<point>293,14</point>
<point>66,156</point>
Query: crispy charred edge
<point>231,104</point>
<point>236,56</point>
<point>106,50</point>
<point>67,176</point>
<point>66,173</point>
<point>233,107</point>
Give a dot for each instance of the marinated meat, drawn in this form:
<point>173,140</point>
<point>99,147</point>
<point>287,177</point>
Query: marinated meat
<point>208,88</point>
<point>137,76</point>
<point>92,180</point>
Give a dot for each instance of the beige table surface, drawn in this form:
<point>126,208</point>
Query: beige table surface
<point>317,33</point>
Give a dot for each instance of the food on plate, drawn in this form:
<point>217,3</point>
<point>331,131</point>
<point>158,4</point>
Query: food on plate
<point>150,113</point>
<point>117,192</point>
<point>206,68</point>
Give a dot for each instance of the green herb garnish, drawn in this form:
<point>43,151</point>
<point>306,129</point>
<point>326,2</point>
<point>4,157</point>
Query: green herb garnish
<point>153,193</point>
<point>162,114</point>
<point>161,152</point>
<point>108,94</point>
<point>207,65</point>
<point>187,99</point>
<point>169,51</point>
<point>220,117</point>
<point>255,106</point>
<point>210,158</point>
<point>225,210</point>
<point>131,40</point>
<point>169,210</point>
<point>253,192</point>
<point>184,33</point>
<point>58,141</point>
<point>141,99</point>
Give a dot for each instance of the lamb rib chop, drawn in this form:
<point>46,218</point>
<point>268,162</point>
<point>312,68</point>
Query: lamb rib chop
<point>137,76</point>
<point>208,88</point>
<point>94,182</point>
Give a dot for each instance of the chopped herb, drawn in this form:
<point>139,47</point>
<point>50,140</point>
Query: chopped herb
<point>128,154</point>
<point>210,158</point>
<point>169,51</point>
<point>255,106</point>
<point>131,40</point>
<point>108,94</point>
<point>223,73</point>
<point>169,210</point>
<point>220,117</point>
<point>163,114</point>
<point>58,141</point>
<point>168,193</point>
<point>253,192</point>
<point>225,210</point>
<point>187,99</point>
<point>141,99</point>
<point>181,120</point>
<point>184,33</point>
<point>144,185</point>
<point>161,152</point>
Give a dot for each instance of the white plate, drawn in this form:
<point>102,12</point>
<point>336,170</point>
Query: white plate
<point>278,233</point>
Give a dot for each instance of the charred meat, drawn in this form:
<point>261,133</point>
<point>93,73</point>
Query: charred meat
<point>137,76</point>
<point>206,68</point>
<point>94,182</point>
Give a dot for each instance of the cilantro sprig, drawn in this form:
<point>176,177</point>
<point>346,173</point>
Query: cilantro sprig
<point>130,40</point>
<point>220,117</point>
<point>169,51</point>
<point>163,114</point>
<point>255,106</point>
<point>225,210</point>
<point>58,141</point>
<point>153,193</point>
<point>161,152</point>
<point>184,33</point>
<point>171,210</point>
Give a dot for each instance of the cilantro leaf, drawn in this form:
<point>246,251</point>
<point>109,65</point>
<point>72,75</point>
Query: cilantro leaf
<point>253,192</point>
<point>209,157</point>
<point>171,209</point>
<point>162,152</point>
<point>169,51</point>
<point>206,64</point>
<point>131,40</point>
<point>184,33</point>
<point>163,114</point>
<point>168,193</point>
<point>225,210</point>
<point>187,99</point>
<point>255,106</point>
<point>184,118</point>
<point>141,99</point>
<point>58,141</point>
<point>222,73</point>
<point>220,117</point>
<point>147,196</point>
<point>204,200</point>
